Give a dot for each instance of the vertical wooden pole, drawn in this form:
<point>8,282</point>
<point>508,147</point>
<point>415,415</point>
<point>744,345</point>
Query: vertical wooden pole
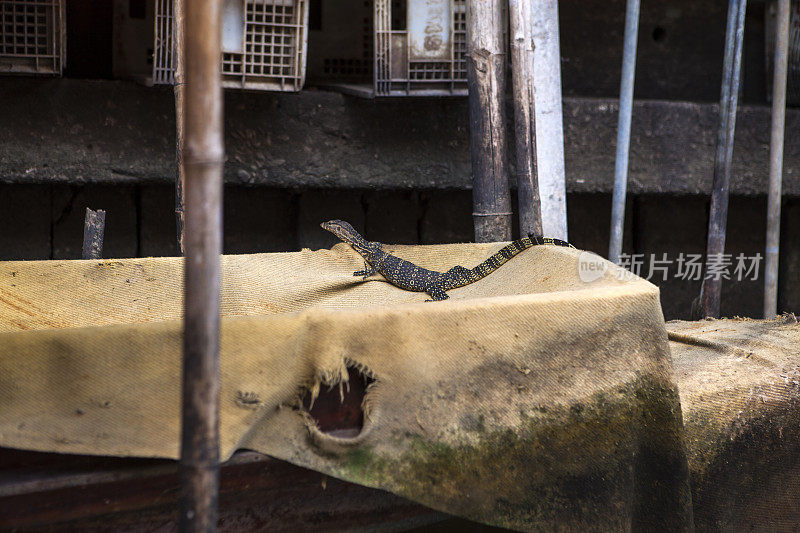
<point>486,80</point>
<point>711,288</point>
<point>203,161</point>
<point>178,89</point>
<point>94,229</point>
<point>530,209</point>
<point>776,158</point>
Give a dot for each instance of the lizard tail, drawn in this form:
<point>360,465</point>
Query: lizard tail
<point>510,250</point>
<point>538,239</point>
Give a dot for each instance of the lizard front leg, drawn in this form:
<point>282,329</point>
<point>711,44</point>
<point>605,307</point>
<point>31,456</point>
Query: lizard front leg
<point>367,272</point>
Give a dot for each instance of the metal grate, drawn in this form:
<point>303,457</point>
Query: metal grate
<point>31,36</point>
<point>273,54</point>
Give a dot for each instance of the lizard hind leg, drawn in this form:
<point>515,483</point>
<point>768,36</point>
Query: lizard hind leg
<point>459,270</point>
<point>458,276</point>
<point>437,294</point>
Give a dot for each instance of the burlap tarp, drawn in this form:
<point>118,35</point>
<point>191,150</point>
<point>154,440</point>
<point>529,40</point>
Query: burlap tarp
<point>739,384</point>
<point>530,399</point>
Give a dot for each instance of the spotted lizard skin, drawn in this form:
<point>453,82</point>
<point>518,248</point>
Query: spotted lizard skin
<point>408,276</point>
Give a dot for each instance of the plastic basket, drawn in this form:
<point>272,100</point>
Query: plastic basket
<point>400,48</point>
<point>263,48</point>
<point>32,37</point>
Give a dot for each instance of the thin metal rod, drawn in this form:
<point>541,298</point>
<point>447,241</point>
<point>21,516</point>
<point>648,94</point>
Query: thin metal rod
<point>549,118</point>
<point>94,229</point>
<point>624,129</point>
<point>718,216</point>
<point>776,158</point>
<point>486,80</point>
<point>178,90</point>
<point>204,156</point>
<point>530,207</point>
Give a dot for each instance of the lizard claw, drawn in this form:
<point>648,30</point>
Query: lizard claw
<point>363,273</point>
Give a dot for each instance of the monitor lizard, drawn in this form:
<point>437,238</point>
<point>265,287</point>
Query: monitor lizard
<point>408,276</point>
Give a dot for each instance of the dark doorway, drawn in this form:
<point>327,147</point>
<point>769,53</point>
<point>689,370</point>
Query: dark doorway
<point>89,39</point>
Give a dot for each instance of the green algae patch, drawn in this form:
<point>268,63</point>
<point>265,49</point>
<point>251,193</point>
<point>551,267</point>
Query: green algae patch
<point>589,465</point>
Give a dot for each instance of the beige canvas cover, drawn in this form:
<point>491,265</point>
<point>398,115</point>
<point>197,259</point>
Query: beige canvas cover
<point>739,384</point>
<point>531,399</point>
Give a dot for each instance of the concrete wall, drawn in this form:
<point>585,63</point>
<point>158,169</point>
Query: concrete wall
<point>46,221</point>
<point>67,131</point>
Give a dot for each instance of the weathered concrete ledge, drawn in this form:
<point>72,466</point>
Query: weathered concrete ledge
<point>77,131</point>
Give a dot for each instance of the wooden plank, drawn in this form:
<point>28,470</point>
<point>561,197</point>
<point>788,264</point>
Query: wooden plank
<point>83,493</point>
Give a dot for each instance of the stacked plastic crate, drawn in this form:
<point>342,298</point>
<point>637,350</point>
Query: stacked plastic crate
<point>428,55</point>
<point>401,47</point>
<point>263,44</point>
<point>32,36</point>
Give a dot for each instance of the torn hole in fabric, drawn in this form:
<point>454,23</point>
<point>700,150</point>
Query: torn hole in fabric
<point>336,404</point>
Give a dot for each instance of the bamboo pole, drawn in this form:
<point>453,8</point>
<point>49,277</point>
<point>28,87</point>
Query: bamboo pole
<point>486,80</point>
<point>178,90</point>
<point>776,158</point>
<point>624,130</point>
<point>203,160</point>
<point>530,207</point>
<point>718,216</point>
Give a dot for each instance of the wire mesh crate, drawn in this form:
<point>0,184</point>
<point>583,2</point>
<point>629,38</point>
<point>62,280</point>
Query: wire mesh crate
<point>401,48</point>
<point>32,36</point>
<point>263,44</point>
<point>424,56</point>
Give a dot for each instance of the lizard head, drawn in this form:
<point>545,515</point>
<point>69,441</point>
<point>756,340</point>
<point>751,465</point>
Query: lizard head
<point>341,229</point>
<point>348,234</point>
